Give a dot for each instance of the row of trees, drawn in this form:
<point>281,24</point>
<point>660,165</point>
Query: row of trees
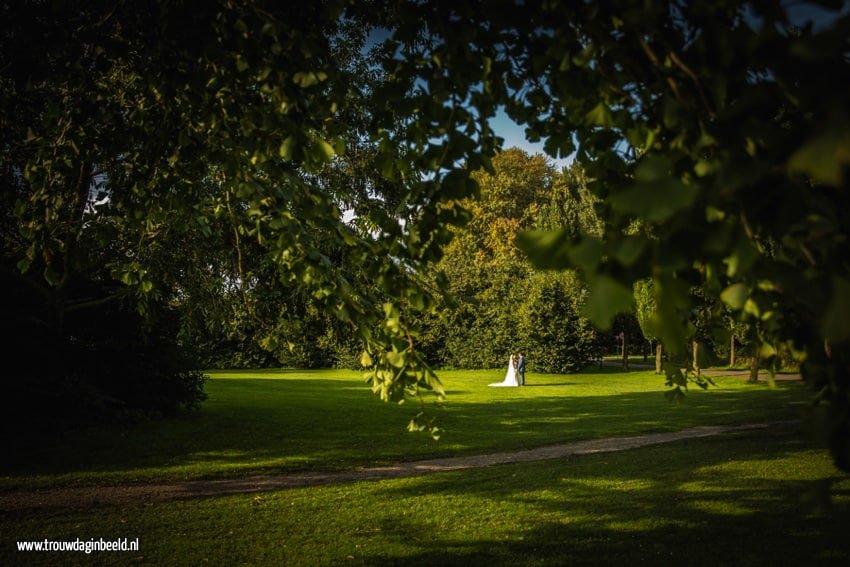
<point>495,301</point>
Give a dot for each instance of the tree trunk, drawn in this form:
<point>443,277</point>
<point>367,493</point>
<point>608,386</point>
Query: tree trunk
<point>658,354</point>
<point>625,352</point>
<point>696,357</point>
<point>732,352</point>
<point>754,368</point>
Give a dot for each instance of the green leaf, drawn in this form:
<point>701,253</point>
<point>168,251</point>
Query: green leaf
<point>50,276</point>
<point>365,359</point>
<point>306,79</point>
<point>327,151</point>
<point>735,295</point>
<point>628,250</point>
<point>128,277</point>
<point>395,359</point>
<point>587,254</point>
<point>766,350</point>
<point>713,214</point>
<point>600,115</point>
<point>608,297</point>
<point>703,168</point>
<point>547,250</point>
<point>741,259</point>
<point>657,201</point>
<point>288,148</point>
<point>823,157</point>
<point>751,307</point>
<point>674,375</point>
<point>455,184</point>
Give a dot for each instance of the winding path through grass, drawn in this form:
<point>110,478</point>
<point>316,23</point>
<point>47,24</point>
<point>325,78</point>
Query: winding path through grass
<point>116,495</point>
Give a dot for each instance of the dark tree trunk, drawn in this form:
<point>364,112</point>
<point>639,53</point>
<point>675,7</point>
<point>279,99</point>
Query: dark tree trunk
<point>658,355</point>
<point>754,368</point>
<point>625,352</point>
<point>696,357</point>
<point>732,352</point>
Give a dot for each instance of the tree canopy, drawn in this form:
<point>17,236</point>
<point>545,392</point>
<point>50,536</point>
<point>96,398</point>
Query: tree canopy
<point>130,135</point>
<point>497,304</point>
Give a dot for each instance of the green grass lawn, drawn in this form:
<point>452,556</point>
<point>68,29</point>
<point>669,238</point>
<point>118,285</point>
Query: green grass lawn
<point>737,499</point>
<point>276,421</point>
<point>748,498</point>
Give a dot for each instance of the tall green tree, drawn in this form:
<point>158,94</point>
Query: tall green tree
<point>483,265</point>
<point>130,136</point>
<point>646,310</point>
<point>557,338</point>
<point>502,306</point>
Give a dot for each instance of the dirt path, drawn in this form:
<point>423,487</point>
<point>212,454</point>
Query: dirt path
<point>92,496</point>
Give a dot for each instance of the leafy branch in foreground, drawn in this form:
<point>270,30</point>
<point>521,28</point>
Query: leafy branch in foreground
<point>724,128</point>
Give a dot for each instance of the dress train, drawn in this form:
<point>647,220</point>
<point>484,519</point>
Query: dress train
<point>510,380</point>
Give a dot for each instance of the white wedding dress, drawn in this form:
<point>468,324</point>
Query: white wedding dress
<point>510,377</point>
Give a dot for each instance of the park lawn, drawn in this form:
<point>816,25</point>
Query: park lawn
<point>747,498</point>
<point>266,421</point>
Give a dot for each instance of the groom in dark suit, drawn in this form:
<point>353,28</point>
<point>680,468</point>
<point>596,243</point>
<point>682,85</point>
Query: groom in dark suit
<point>520,367</point>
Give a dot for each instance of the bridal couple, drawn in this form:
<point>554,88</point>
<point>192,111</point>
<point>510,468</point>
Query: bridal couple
<point>516,372</point>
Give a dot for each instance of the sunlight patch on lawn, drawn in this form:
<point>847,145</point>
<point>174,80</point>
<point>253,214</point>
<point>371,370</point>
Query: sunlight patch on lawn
<point>774,469</point>
<point>216,455</point>
<point>700,486</point>
<point>722,507</point>
<point>551,419</point>
<point>618,484</point>
<point>638,525</point>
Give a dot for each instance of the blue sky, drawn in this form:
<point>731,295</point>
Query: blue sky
<point>514,136</point>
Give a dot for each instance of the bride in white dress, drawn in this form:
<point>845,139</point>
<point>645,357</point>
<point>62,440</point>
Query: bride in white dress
<point>510,376</point>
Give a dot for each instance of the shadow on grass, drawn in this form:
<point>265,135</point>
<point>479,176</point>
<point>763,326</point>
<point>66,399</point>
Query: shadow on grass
<point>259,425</point>
<point>717,501</point>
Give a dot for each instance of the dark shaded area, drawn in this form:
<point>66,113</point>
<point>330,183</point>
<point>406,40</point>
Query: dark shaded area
<point>105,363</point>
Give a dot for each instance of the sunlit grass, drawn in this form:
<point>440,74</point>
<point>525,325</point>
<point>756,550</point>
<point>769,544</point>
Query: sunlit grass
<point>270,421</point>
